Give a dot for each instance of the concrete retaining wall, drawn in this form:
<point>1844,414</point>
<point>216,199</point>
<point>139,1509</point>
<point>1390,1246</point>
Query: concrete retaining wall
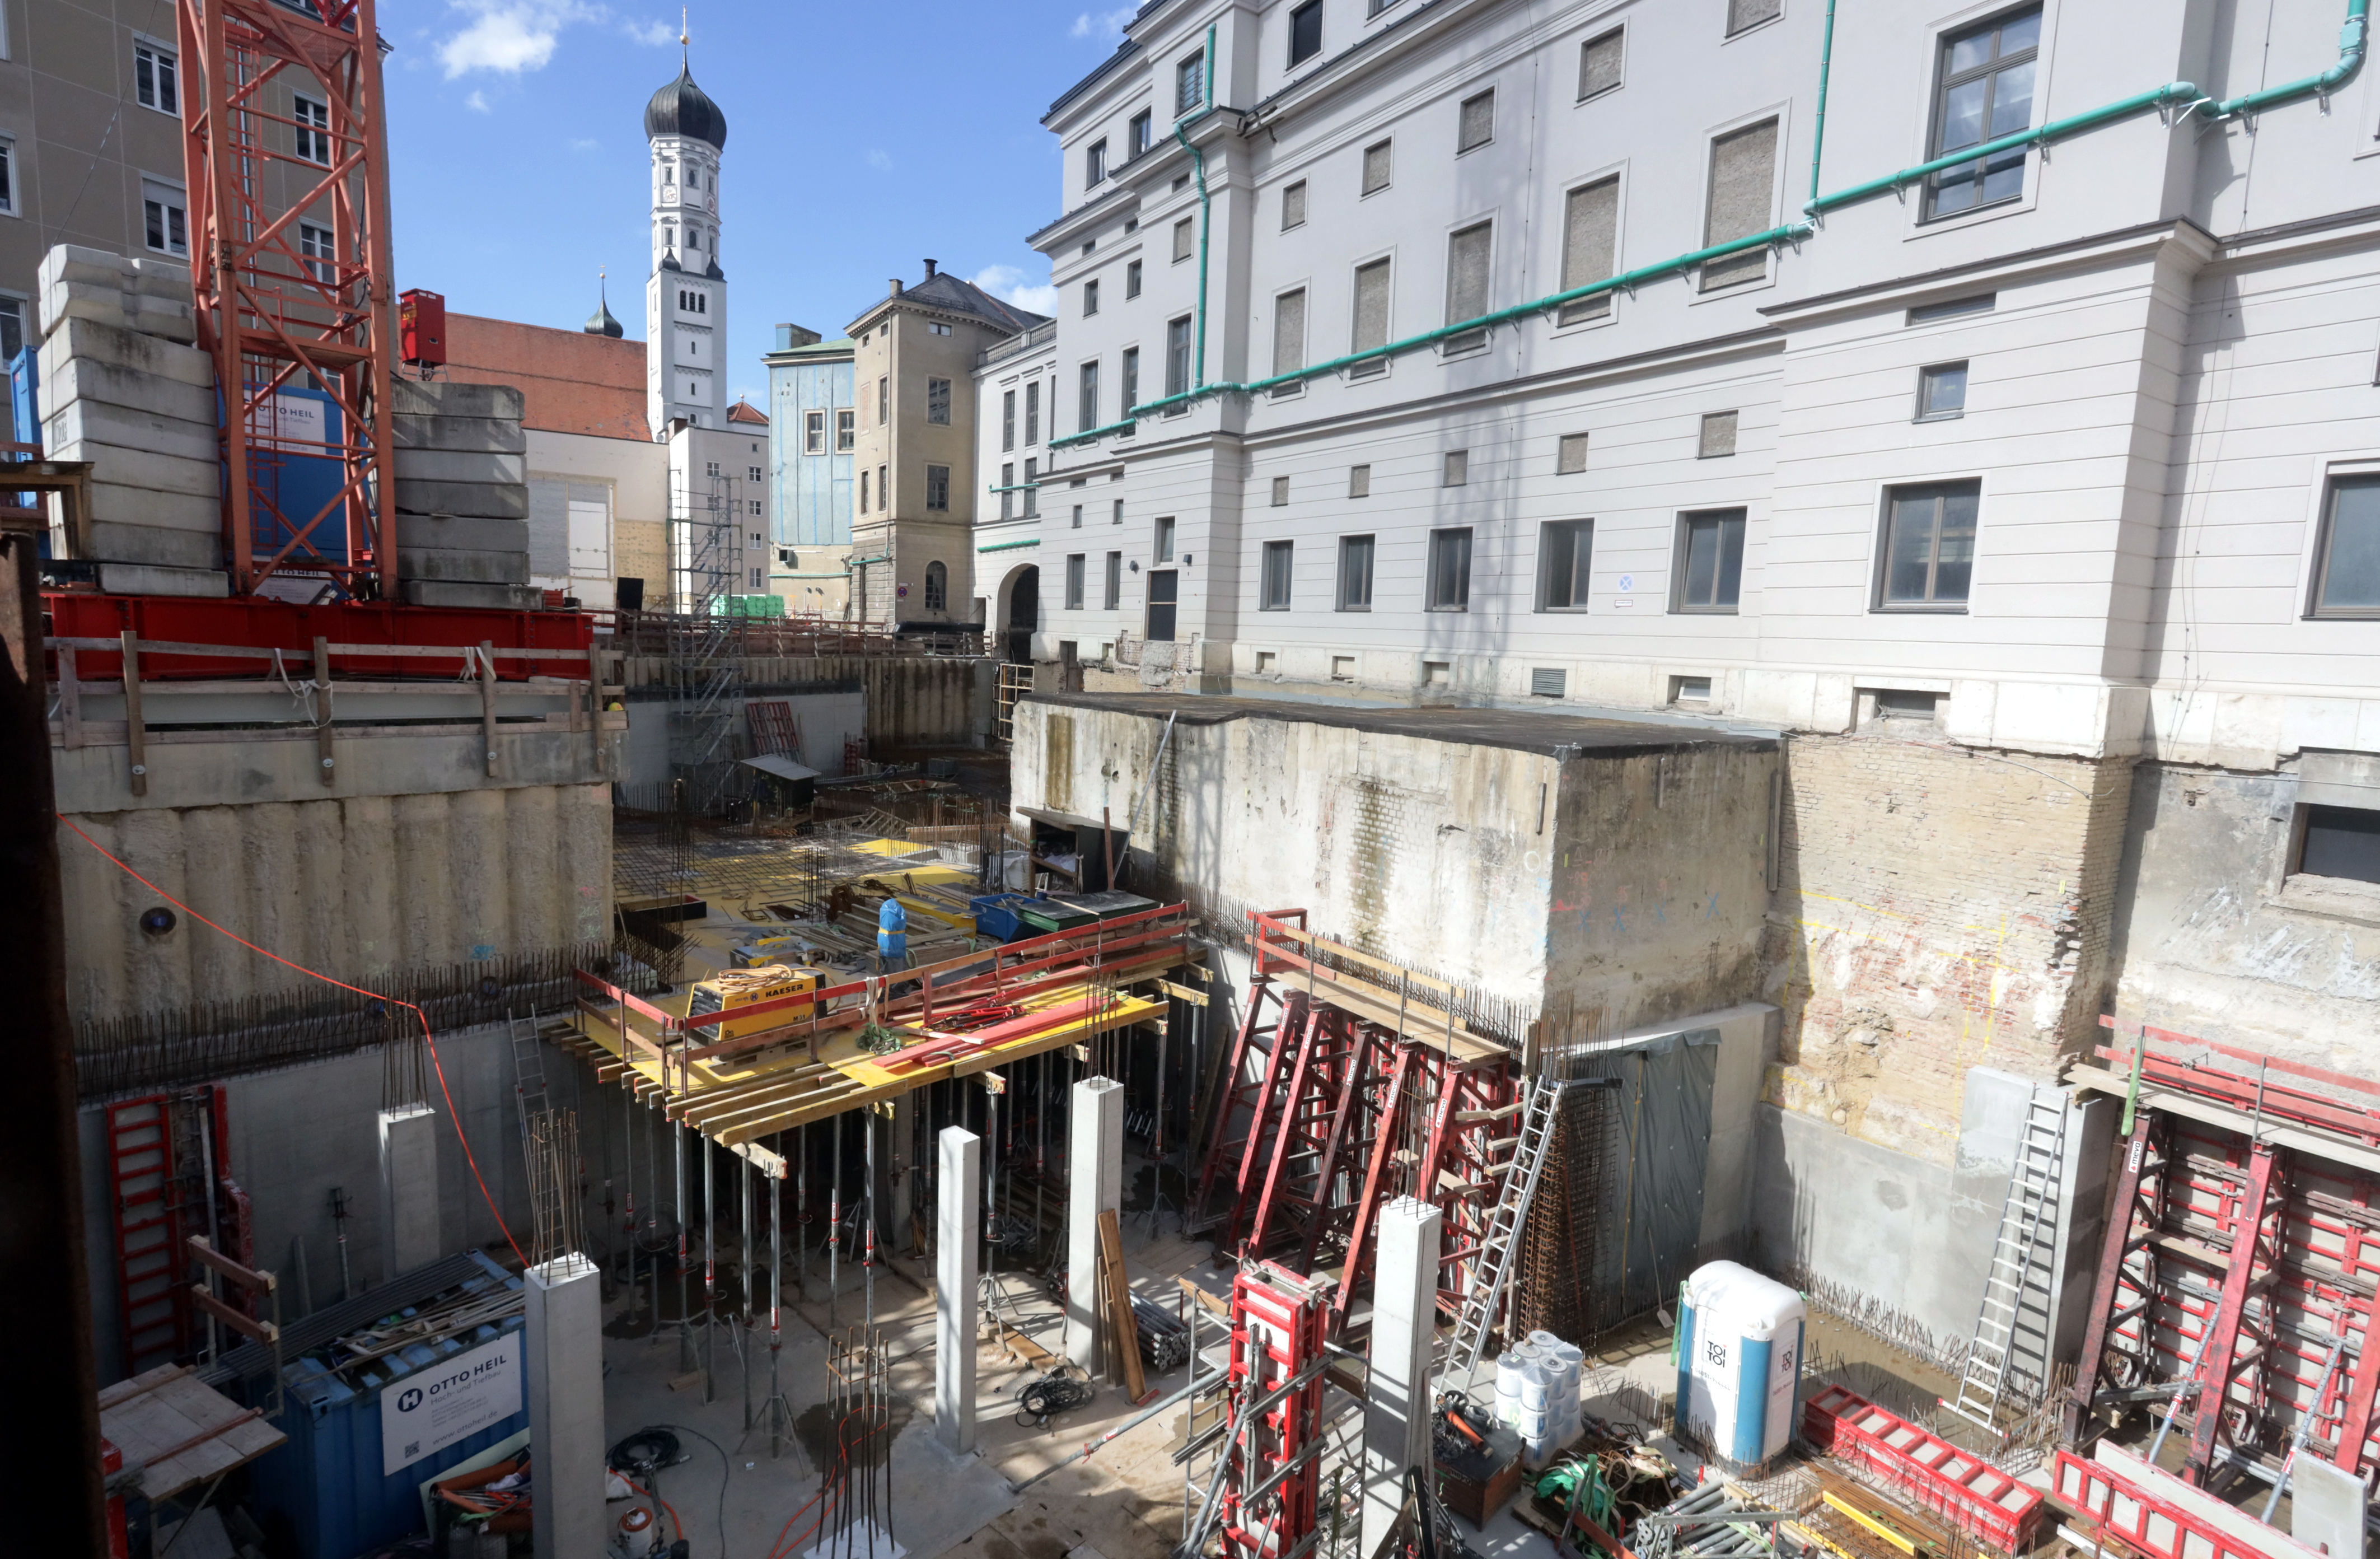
<point>913,700</point>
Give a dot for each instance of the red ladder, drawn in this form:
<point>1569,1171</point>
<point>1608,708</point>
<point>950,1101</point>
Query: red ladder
<point>150,1297</point>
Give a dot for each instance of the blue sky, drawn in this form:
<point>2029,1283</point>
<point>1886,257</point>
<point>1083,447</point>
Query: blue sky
<point>861,138</point>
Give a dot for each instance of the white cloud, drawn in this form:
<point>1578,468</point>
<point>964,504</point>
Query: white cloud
<point>1106,25</point>
<point>1011,285</point>
<point>510,36</point>
<point>576,145</point>
<point>477,103</point>
<point>653,35</point>
<point>880,161</point>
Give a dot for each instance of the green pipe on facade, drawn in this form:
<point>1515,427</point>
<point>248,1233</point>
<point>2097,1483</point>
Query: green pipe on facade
<point>2352,36</point>
<point>1826,68</point>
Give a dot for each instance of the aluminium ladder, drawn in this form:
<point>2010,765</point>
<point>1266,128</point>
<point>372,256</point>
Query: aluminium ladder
<point>2017,1270</point>
<point>528,1067</point>
<point>1502,1238</point>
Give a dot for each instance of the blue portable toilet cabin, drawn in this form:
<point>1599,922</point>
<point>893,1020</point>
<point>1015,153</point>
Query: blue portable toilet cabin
<point>1740,1340</point>
<point>341,1485</point>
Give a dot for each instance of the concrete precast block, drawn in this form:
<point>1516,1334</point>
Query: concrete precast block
<point>151,276</point>
<point>120,465</point>
<point>466,535</point>
<point>1095,1184</point>
<point>474,500</point>
<point>561,1335</point>
<point>462,466</point>
<point>1397,1400</point>
<point>81,340</point>
<point>958,1301</point>
<point>164,317</point>
<point>81,380</point>
<point>408,1188</point>
<point>457,564</point>
<point>114,504</point>
<point>465,592</point>
<point>92,421</point>
<point>484,435</point>
<point>144,578</point>
<point>156,546</point>
<point>445,397</point>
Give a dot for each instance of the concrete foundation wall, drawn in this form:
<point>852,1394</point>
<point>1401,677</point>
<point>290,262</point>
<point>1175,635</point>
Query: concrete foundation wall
<point>913,700</point>
<point>352,887</point>
<point>1939,910</point>
<point>2213,940</point>
<point>827,720</point>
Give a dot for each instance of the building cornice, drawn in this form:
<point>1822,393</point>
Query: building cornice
<point>2115,245</point>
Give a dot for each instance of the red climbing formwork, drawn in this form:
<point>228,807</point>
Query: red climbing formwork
<point>1271,1478</point>
<point>1954,1483</point>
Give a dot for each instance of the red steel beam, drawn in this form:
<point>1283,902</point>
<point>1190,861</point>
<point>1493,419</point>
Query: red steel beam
<point>2219,1354</point>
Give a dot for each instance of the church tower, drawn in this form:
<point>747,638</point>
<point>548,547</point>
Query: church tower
<point>686,301</point>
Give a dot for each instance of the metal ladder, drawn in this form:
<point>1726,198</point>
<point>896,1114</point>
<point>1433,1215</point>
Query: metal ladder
<point>1502,1238</point>
<point>528,1067</point>
<point>2010,1281</point>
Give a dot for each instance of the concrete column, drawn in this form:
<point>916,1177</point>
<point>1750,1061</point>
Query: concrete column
<point>1404,1324</point>
<point>901,1194</point>
<point>409,1189</point>
<point>564,1377</point>
<point>1095,1184</point>
<point>958,1233</point>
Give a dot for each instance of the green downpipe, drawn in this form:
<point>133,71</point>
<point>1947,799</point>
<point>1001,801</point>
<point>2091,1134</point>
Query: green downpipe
<point>2353,37</point>
<point>1826,68</point>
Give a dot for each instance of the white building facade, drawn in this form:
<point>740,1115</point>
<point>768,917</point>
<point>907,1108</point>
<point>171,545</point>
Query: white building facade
<point>1016,383</point>
<point>685,297</point>
<point>1539,353</point>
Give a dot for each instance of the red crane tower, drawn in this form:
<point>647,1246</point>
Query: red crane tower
<point>274,310</point>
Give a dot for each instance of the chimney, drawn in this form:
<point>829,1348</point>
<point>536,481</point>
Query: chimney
<point>930,270</point>
<point>896,287</point>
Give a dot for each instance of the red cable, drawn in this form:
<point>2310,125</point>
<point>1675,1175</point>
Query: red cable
<point>455,1120</point>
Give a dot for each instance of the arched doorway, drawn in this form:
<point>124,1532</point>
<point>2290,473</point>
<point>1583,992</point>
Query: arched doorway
<point>1021,613</point>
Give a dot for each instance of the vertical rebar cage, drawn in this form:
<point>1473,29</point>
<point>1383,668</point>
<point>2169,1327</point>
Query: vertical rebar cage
<point>285,150</point>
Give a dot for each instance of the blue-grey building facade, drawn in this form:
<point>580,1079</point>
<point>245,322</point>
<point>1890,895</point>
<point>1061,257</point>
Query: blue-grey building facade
<point>811,430</point>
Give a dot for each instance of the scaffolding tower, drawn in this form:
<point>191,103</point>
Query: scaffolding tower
<point>703,666</point>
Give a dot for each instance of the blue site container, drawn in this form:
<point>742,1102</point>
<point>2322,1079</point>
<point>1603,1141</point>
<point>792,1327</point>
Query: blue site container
<point>327,1488</point>
<point>995,915</point>
<point>289,487</point>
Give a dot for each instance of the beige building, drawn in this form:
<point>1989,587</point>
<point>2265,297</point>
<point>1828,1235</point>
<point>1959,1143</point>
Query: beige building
<point>915,493</point>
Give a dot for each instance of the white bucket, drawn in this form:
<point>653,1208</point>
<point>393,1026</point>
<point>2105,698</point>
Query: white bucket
<point>1508,1388</point>
<point>1537,1386</point>
<point>1532,1424</point>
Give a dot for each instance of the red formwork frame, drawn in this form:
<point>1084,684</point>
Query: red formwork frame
<point>2240,1270</point>
<point>271,316</point>
<point>1272,1475</point>
<point>2147,1524</point>
<point>1957,1484</point>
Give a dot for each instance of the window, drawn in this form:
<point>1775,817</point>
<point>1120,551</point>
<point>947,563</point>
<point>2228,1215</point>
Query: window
<point>1474,123</point>
<point>1565,551</point>
<point>1690,690</point>
<point>883,487</point>
<point>1354,573</point>
<point>938,588</point>
<point>1273,586</point>
<point>1280,492</point>
<point>1032,490</point>
<point>883,401</point>
<point>8,182</point>
<point>1941,392</point>
<point>1131,390</point>
<point>1293,206</point>
<point>1177,356</point>
<point>1743,193</point>
<point>2340,842</point>
<point>1131,278</point>
<point>1447,586</point>
<point>1590,246</point>
<point>1095,164</point>
<point>1184,240</point>
<point>1162,583</point>
<point>1569,454</point>
<point>938,402</point>
<point>936,328</point>
<point>1927,314</point>
<point>1904,703</point>
<point>813,432</point>
<point>2347,566</point>
<point>1090,298</point>
<point>1075,582</point>
<point>1007,492</point>
<point>314,247</point>
<point>1929,545</point>
<point>1371,317</point>
<point>1717,435</point>
<point>863,492</point>
<point>1118,519</point>
<point>1190,82</point>
<point>754,473</point>
<point>1304,32</point>
<point>1598,64</point>
<point>1466,283</point>
<point>1137,135</point>
<point>12,326</point>
<point>1112,593</point>
<point>313,128</point>
<point>155,81</point>
<point>1709,563</point>
<point>1033,413</point>
<point>938,487</point>
<point>1377,167</point>
<point>1359,481</point>
<point>846,431</point>
<point>1986,92</point>
<point>759,582</point>
<point>1288,337</point>
<point>1744,14</point>
<point>1007,419</point>
<point>1088,397</point>
<point>165,217</point>
<point>1161,549</point>
<point>1457,470</point>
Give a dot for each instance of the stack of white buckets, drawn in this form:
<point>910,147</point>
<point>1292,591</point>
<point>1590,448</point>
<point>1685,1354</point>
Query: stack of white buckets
<point>1537,1395</point>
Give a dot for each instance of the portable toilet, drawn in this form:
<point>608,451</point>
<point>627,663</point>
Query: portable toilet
<point>1740,1338</point>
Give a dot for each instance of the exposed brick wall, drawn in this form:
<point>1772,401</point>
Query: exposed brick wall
<point>1940,909</point>
<point>570,381</point>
